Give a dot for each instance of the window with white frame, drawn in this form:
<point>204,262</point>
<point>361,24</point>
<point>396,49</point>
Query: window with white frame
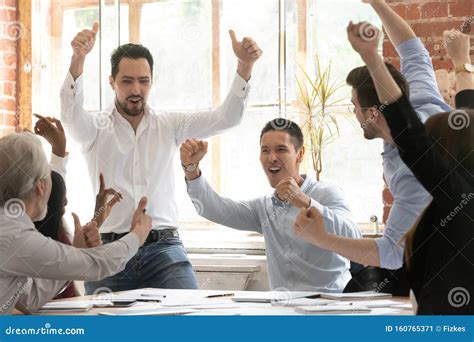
<point>194,67</point>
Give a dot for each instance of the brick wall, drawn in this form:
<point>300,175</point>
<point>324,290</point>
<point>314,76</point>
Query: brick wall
<point>429,18</point>
<point>9,33</point>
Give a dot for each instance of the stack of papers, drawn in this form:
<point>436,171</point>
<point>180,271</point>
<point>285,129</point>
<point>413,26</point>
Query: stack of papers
<point>67,306</point>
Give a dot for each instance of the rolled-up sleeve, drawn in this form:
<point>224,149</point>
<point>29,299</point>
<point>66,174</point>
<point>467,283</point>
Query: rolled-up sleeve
<point>417,67</point>
<point>410,199</point>
<point>336,213</point>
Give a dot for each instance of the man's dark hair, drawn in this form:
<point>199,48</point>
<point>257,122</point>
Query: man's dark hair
<point>288,126</point>
<point>360,79</point>
<point>133,51</point>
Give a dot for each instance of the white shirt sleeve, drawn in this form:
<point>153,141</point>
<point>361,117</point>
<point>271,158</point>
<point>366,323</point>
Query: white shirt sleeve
<point>79,123</point>
<point>204,124</point>
<point>58,164</point>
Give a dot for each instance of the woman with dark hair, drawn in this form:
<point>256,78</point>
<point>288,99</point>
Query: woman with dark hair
<point>439,252</point>
<point>53,225</point>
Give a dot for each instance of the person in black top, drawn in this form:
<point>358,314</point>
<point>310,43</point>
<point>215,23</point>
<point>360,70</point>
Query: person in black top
<point>439,254</point>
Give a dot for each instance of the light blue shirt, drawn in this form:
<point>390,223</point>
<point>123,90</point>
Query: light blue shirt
<point>293,263</point>
<point>410,198</point>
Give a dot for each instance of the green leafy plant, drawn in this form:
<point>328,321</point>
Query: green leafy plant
<point>317,107</point>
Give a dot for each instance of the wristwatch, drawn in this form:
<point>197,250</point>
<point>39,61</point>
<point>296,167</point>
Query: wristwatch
<point>469,68</point>
<point>190,168</point>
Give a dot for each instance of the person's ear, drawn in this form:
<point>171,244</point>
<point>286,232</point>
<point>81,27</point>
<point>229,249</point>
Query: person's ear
<point>300,155</point>
<point>375,114</point>
<point>112,82</point>
<point>40,188</point>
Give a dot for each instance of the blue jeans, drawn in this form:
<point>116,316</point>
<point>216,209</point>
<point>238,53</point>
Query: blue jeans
<point>162,264</point>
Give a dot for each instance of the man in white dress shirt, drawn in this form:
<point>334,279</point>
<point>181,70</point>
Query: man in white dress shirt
<point>134,148</point>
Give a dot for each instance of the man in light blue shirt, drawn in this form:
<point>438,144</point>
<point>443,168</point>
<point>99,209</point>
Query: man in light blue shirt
<point>293,263</point>
<point>417,78</point>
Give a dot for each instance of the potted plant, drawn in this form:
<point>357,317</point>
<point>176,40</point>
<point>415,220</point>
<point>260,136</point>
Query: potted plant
<point>317,106</point>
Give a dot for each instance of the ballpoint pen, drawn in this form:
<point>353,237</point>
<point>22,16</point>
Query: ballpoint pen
<point>220,295</point>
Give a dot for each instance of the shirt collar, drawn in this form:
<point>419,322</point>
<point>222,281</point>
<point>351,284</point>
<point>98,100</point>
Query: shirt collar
<point>388,150</point>
<point>112,109</point>
<point>24,218</point>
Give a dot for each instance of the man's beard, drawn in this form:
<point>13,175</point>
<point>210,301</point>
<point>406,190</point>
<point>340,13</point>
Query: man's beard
<point>369,134</point>
<point>131,111</point>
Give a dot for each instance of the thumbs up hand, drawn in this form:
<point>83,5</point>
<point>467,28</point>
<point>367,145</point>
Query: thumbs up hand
<point>84,41</point>
<point>87,236</point>
<point>247,52</point>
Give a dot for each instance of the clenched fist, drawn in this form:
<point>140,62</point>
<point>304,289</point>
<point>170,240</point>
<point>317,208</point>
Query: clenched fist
<point>364,38</point>
<point>309,225</point>
<point>192,151</point>
<point>289,191</point>
<point>458,46</point>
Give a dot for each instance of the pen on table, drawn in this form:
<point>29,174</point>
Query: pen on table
<point>221,295</point>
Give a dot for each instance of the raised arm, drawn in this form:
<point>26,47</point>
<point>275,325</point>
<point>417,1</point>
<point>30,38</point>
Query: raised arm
<point>415,62</point>
<point>387,89</point>
<point>396,27</point>
<point>419,151</point>
<point>52,130</point>
<point>458,47</point>
<point>235,214</point>
<point>82,45</point>
<point>79,123</point>
<point>204,124</point>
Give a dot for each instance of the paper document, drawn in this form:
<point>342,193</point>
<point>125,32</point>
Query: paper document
<point>273,296</point>
<point>367,295</point>
<point>332,309</point>
<point>69,306</point>
<point>147,312</point>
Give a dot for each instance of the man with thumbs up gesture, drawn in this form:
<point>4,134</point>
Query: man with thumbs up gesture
<point>133,148</point>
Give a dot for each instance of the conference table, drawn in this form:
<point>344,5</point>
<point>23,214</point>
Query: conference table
<point>152,301</point>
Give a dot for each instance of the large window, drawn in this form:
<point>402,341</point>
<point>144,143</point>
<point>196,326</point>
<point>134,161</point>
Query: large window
<point>195,66</point>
